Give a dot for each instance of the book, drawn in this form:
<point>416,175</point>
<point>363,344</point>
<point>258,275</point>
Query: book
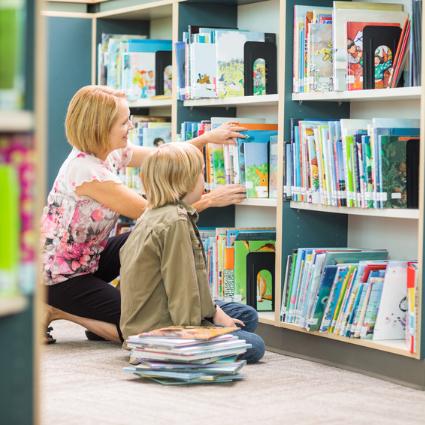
<point>9,231</point>
<point>186,332</point>
<point>391,317</point>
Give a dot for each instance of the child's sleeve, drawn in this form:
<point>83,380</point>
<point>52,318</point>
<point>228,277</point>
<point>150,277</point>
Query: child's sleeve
<point>179,276</point>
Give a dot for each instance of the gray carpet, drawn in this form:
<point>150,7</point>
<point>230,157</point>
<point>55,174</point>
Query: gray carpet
<point>83,383</point>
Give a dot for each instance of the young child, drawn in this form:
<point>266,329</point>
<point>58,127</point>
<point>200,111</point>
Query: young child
<point>163,267</point>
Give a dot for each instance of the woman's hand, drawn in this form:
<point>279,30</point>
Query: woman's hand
<point>226,134</point>
<point>223,196</point>
<point>222,319</point>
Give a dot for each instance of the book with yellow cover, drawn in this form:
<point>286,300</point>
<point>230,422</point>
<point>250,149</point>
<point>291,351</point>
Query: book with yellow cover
<point>189,332</point>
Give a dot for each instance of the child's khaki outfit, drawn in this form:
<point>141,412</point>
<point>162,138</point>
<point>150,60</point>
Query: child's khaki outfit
<point>163,272</point>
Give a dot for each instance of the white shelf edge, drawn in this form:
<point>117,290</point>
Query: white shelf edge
<point>410,214</point>
<point>143,7</point>
<point>151,103</point>
<point>401,93</point>
<point>398,347</point>
<point>12,305</point>
<point>16,121</point>
<point>259,202</point>
<point>268,99</point>
<point>267,317</point>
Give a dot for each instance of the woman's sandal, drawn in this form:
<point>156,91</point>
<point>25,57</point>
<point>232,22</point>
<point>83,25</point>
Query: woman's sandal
<point>48,339</point>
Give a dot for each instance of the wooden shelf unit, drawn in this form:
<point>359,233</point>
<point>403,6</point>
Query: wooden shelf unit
<point>294,221</point>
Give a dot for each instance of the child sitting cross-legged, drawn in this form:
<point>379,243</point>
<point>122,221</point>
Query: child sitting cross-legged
<point>163,268</point>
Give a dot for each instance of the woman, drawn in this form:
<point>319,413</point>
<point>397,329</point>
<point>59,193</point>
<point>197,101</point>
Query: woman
<point>79,258</point>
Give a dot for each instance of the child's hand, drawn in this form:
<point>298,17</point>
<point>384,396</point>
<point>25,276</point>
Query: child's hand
<point>222,319</point>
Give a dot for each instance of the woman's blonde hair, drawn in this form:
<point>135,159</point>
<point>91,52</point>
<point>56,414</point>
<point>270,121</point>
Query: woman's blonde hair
<point>91,114</point>
<point>171,172</point>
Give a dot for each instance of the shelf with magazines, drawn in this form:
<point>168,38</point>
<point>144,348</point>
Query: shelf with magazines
<point>400,93</point>
<point>402,213</point>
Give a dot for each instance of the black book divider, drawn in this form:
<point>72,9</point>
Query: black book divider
<point>163,58</point>
<point>255,263</point>
<point>373,37</point>
<point>254,50</point>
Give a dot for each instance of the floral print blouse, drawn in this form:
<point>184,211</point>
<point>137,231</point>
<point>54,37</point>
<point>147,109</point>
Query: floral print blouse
<point>75,229</point>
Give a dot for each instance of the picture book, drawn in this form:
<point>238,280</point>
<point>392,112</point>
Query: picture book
<point>355,52</point>
<point>319,75</point>
<point>344,12</point>
<point>273,166</point>
<point>230,60</point>
<point>185,332</point>
<point>138,75</point>
<point>256,170</point>
<point>391,317</point>
<point>202,70</point>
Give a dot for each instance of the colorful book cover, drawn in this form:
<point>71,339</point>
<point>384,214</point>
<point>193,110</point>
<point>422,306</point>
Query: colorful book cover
<point>243,246</point>
<point>202,70</point>
<point>230,60</point>
<point>355,52</point>
<point>138,75</point>
<point>186,332</point>
<point>320,58</point>
<point>394,169</point>
<point>368,326</point>
<point>356,12</point>
<point>256,170</point>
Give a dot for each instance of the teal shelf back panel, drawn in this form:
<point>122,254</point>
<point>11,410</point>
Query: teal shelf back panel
<point>68,66</point>
<point>29,58</point>
<point>16,368</point>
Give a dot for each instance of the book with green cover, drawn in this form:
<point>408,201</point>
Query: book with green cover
<point>245,244</point>
<point>9,231</point>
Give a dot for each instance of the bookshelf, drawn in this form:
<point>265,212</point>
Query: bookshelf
<point>297,224</point>
<point>20,314</point>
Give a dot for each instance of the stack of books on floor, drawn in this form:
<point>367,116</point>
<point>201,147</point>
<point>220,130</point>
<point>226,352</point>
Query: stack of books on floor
<point>179,355</point>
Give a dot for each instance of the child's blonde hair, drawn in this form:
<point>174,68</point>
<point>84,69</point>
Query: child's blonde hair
<point>171,172</point>
<point>90,117</point>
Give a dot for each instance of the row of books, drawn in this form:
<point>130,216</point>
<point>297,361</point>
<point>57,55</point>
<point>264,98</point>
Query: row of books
<point>217,62</point>
<point>354,162</point>
<point>17,241</point>
<point>252,161</point>
<point>181,355</point>
<point>356,45</point>
<point>12,76</point>
<point>141,67</point>
<point>240,264</point>
<point>354,293</point>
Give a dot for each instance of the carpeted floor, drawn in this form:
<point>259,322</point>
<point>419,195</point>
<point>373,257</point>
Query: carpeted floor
<point>83,384</point>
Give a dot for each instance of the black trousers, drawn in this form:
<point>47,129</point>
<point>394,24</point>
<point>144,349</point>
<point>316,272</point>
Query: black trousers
<point>91,295</point>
